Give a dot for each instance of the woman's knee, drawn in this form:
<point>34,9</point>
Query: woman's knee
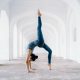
<point>50,51</point>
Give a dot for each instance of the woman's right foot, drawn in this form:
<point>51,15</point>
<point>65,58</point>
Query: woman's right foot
<point>49,66</point>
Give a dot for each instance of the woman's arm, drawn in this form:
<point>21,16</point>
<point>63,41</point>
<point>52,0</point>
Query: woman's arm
<point>28,61</point>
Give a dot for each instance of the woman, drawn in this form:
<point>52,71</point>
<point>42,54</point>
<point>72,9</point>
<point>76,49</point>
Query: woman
<point>40,43</point>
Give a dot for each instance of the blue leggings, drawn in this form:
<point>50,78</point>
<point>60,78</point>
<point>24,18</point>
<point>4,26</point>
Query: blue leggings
<point>41,42</point>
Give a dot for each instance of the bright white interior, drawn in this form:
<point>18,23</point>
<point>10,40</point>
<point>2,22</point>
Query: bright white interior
<point>4,35</point>
<point>61,27</point>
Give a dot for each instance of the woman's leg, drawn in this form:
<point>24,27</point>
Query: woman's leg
<point>49,54</point>
<point>39,31</point>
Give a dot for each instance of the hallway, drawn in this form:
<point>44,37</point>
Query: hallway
<point>61,70</point>
<point>61,32</point>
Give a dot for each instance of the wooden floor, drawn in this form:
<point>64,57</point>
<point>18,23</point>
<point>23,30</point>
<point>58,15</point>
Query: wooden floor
<point>61,70</point>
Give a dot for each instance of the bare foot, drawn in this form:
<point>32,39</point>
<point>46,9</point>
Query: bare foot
<point>49,66</point>
<point>39,13</point>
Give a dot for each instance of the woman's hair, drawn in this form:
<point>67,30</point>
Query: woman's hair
<point>34,57</point>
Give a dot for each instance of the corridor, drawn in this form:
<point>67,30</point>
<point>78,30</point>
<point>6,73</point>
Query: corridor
<point>61,32</point>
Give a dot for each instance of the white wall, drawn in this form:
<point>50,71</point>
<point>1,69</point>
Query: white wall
<point>4,36</point>
<point>75,36</point>
<point>20,43</point>
<point>15,48</point>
